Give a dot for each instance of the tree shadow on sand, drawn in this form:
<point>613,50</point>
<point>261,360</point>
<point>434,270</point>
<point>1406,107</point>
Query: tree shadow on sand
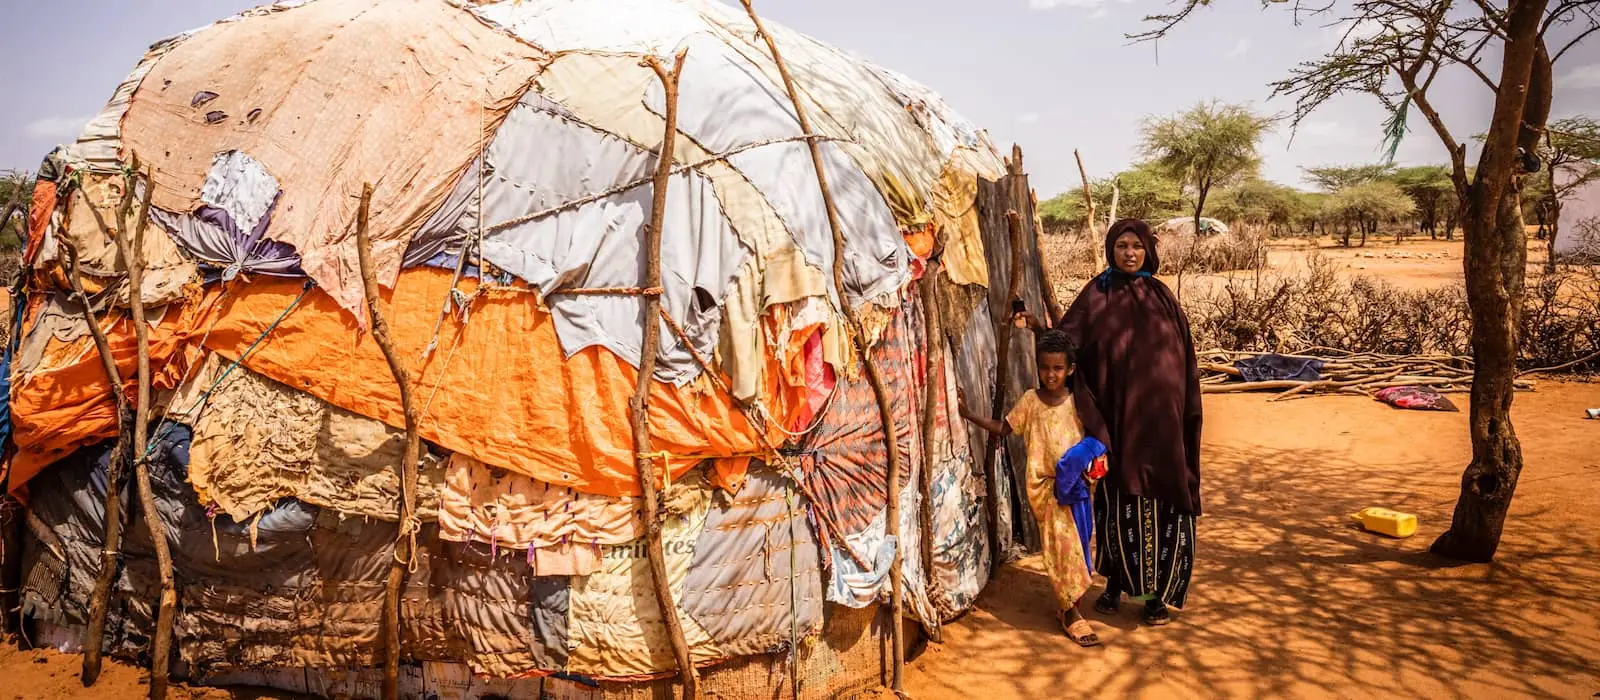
<point>1290,598</point>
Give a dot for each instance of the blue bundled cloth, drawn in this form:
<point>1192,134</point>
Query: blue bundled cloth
<point>1072,488</point>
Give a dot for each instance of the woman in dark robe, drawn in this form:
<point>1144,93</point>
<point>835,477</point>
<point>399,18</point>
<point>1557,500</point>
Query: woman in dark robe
<point>1137,389</point>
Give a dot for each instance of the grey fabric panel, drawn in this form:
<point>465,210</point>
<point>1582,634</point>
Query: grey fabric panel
<point>876,259</point>
<point>514,622</point>
<point>598,245</point>
<point>739,586</point>
<point>724,101</point>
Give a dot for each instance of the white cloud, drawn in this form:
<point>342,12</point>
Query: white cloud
<point>1581,78</point>
<point>1100,13</point>
<point>1241,48</point>
<point>59,128</point>
<point>1029,118</point>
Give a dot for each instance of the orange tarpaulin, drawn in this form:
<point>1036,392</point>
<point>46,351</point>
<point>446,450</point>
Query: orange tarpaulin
<point>65,403</point>
<point>497,388</point>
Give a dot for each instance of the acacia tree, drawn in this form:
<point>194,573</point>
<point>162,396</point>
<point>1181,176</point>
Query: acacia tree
<point>1571,148</point>
<point>1332,178</point>
<point>1210,145</point>
<point>1366,204</point>
<point>1394,51</point>
<point>16,188</point>
<point>1430,187</point>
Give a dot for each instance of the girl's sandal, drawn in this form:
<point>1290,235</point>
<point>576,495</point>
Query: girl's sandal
<point>1079,630</point>
<point>1108,603</point>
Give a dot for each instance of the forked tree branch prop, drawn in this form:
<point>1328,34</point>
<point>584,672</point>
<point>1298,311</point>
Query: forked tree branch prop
<point>133,257</point>
<point>111,549</point>
<point>405,546</point>
<point>933,376</point>
<point>639,405</point>
<point>859,338</point>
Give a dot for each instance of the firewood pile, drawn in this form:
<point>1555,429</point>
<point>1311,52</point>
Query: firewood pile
<point>1359,374</point>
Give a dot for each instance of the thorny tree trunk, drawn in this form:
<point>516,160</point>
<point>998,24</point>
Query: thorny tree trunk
<point>1495,263</point>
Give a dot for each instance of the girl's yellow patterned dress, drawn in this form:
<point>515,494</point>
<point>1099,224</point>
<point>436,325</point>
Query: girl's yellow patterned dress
<point>1049,431</point>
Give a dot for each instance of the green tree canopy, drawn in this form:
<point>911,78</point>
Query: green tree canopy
<point>1209,146</point>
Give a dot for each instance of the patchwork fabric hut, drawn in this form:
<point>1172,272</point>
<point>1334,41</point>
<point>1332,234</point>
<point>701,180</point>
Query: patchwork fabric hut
<point>510,147</point>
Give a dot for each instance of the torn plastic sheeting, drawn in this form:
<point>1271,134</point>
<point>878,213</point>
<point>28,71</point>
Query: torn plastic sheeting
<point>228,230</point>
<point>411,145</point>
<point>845,99</point>
<point>876,259</point>
<point>724,101</point>
<point>756,555</point>
<point>597,245</point>
<point>95,203</point>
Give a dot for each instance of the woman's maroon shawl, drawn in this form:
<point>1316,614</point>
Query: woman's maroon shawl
<point>1136,385</point>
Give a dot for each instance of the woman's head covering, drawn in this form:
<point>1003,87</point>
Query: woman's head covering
<point>1152,260</point>
<point>1137,227</point>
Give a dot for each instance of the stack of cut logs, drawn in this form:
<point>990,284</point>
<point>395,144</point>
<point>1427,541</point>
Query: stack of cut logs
<point>1345,373</point>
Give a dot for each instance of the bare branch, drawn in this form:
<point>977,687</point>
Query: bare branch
<point>1584,35</point>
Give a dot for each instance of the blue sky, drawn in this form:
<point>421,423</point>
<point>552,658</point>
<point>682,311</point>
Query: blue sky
<point>1052,75</point>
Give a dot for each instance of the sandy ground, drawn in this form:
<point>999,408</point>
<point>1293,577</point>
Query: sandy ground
<point>1291,600</point>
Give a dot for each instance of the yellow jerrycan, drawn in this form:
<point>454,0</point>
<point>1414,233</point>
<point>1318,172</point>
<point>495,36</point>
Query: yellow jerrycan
<point>1387,522</point>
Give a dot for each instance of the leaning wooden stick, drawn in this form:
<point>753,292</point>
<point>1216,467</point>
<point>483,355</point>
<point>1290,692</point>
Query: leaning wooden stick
<point>100,600</point>
<point>1004,329</point>
<point>405,546</point>
<point>858,336</point>
<point>640,403</point>
<point>933,378</point>
<point>133,257</point>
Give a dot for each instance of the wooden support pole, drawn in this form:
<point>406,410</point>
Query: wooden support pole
<point>639,405</point>
<point>933,380</point>
<point>111,548</point>
<point>991,468</point>
<point>859,339</point>
<point>1052,300</point>
<point>1116,197</point>
<point>133,256</point>
<point>405,545</point>
<point>1088,197</point>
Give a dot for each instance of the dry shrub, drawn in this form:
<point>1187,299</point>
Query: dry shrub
<point>1239,249</point>
<point>1071,258</point>
<point>1321,309</point>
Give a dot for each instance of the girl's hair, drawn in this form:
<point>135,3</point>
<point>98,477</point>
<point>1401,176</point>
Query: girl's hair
<point>1053,341</point>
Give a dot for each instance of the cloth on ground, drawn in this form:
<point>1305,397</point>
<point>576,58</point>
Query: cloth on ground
<point>1272,367</point>
<point>755,557</point>
<point>564,528</point>
<point>409,125</point>
<point>615,626</point>
<point>1416,398</point>
<point>257,441</point>
<point>1049,432</point>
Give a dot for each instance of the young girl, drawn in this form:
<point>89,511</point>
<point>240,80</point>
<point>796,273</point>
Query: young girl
<point>1048,424</point>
